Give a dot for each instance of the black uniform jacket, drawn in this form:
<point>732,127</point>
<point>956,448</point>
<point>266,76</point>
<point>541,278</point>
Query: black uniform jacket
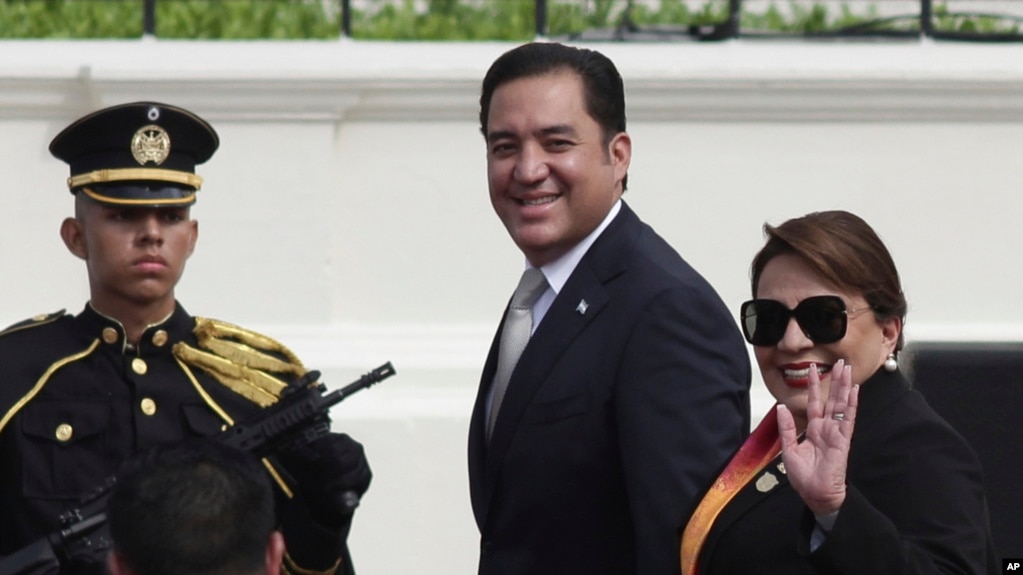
<point>76,401</point>
<point>915,503</point>
<point>628,399</point>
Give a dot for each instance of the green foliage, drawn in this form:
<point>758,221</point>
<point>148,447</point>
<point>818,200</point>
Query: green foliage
<point>467,20</point>
<point>59,19</point>
<point>793,18</point>
<point>245,19</point>
<point>200,19</point>
<point>445,20</point>
<point>574,17</point>
<point>946,21</point>
<point>677,13</point>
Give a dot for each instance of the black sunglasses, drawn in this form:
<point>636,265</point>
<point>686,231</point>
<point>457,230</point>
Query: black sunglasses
<point>822,318</point>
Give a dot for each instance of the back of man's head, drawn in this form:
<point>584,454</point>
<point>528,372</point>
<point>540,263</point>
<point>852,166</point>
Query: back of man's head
<point>199,508</point>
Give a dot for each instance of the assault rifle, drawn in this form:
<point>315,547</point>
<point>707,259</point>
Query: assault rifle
<point>299,417</point>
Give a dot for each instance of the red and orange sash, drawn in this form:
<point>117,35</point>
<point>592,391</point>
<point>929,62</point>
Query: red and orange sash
<point>759,449</point>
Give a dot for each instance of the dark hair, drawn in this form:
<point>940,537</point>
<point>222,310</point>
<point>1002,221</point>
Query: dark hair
<point>602,84</point>
<point>844,250</point>
<point>198,507</point>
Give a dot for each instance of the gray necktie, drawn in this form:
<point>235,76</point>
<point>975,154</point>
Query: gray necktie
<point>518,324</point>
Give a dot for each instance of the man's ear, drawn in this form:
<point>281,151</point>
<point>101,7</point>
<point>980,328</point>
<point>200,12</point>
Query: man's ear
<point>73,234</point>
<point>274,553</point>
<point>194,238</point>
<point>116,564</point>
<point>620,152</point>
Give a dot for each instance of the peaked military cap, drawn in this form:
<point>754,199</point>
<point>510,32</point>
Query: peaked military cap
<point>142,153</point>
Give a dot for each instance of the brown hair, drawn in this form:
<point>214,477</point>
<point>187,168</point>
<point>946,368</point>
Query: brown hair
<point>844,250</point>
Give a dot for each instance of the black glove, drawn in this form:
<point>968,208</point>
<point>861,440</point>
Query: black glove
<point>332,474</point>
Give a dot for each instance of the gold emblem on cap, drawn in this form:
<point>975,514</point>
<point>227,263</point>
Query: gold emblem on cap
<point>138,365</point>
<point>64,432</point>
<point>159,338</point>
<point>151,143</point>
<point>767,482</point>
<point>110,335</point>
<point>148,406</point>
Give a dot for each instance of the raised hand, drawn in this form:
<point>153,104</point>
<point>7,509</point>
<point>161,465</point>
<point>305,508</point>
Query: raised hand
<point>816,467</point>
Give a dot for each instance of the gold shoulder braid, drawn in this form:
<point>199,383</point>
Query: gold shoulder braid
<point>252,365</point>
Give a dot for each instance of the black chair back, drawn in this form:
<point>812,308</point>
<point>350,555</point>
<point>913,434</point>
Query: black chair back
<point>978,389</point>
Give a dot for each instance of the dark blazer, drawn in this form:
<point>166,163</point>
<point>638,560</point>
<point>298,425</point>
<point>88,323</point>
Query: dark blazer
<point>617,417</point>
<point>915,503</point>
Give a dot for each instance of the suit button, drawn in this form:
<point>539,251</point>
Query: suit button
<point>110,335</point>
<point>160,338</point>
<point>148,406</point>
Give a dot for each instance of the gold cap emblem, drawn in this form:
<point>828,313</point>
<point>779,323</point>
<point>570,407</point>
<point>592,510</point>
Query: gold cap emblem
<point>151,143</point>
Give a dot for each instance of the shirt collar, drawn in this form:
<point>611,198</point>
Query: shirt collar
<point>156,338</point>
<point>558,271</point>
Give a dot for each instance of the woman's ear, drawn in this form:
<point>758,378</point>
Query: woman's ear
<point>73,234</point>
<point>891,329</point>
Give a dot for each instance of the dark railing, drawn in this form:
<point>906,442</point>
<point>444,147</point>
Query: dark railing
<point>937,19</point>
<point>934,19</point>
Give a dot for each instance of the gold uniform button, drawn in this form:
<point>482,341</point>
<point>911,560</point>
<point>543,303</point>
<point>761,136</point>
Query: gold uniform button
<point>64,432</point>
<point>138,365</point>
<point>110,335</point>
<point>148,406</point>
<point>159,338</point>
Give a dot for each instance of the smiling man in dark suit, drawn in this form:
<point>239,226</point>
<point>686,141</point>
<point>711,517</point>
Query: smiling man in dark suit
<point>588,451</point>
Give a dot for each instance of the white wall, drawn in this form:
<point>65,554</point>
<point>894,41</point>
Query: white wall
<point>346,211</point>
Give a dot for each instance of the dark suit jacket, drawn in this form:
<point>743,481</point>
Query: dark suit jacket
<point>616,419</point>
<point>915,503</point>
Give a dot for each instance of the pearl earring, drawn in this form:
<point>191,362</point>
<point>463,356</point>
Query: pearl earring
<point>891,364</point>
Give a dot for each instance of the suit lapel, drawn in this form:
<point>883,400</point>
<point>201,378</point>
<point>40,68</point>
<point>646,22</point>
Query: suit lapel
<point>559,328</point>
<point>771,481</point>
<point>576,307</point>
<point>477,431</point>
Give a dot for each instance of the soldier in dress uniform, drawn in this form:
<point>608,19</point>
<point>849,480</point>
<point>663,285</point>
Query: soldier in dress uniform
<point>80,393</point>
